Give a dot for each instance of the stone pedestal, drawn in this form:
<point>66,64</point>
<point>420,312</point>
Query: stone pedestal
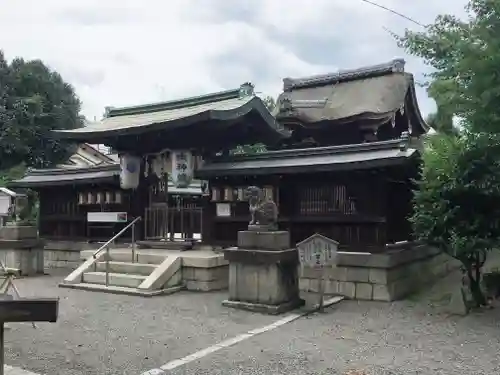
<point>21,249</point>
<point>263,273</point>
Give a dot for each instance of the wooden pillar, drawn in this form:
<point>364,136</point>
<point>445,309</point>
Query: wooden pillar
<point>207,220</point>
<point>2,353</point>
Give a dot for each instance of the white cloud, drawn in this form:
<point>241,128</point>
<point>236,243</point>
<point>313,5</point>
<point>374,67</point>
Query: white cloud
<point>118,52</point>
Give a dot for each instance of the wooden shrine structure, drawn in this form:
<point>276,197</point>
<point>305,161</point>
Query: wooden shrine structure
<point>206,124</point>
<point>346,170</point>
<point>84,185</point>
<point>343,150</point>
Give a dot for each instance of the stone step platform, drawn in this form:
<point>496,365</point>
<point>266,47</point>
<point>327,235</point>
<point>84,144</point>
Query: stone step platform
<point>153,271</point>
<point>127,267</point>
<point>115,279</point>
<point>147,274</point>
<point>173,245</point>
<point>125,255</point>
<point>121,290</point>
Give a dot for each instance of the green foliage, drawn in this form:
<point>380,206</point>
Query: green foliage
<point>29,213</point>
<point>270,103</point>
<point>456,204</point>
<point>33,101</point>
<point>442,122</point>
<point>11,174</point>
<point>465,55</point>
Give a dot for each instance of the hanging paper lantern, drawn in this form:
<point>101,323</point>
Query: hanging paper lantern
<point>100,198</point>
<point>130,168</point>
<point>82,198</point>
<point>182,168</point>
<point>109,197</point>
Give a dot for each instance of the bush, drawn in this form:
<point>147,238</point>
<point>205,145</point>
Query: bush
<point>456,205</point>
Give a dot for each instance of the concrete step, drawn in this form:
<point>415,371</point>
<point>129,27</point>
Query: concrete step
<point>125,255</point>
<point>115,279</point>
<point>172,245</point>
<point>120,289</point>
<point>127,267</point>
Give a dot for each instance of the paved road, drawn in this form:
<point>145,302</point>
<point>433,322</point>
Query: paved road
<point>111,334</point>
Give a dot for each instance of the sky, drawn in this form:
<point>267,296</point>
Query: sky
<point>131,52</point>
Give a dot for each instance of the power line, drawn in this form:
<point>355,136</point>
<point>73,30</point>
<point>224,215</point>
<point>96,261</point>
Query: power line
<point>394,12</point>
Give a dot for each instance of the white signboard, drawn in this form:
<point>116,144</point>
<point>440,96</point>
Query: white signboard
<point>5,201</point>
<point>318,251</point>
<point>106,217</point>
<point>223,209</point>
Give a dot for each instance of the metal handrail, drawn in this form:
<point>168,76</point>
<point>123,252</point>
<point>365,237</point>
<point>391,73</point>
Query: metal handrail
<point>116,236</point>
<point>106,246</point>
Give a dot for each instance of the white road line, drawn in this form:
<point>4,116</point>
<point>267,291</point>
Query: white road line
<point>10,370</point>
<point>223,344</point>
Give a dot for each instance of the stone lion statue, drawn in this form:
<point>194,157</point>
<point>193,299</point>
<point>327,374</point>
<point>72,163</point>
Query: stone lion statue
<point>263,211</point>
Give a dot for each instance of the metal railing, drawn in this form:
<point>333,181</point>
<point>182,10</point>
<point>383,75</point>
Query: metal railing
<point>109,242</point>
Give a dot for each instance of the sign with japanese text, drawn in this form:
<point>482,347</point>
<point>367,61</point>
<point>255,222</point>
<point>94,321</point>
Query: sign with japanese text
<point>318,251</point>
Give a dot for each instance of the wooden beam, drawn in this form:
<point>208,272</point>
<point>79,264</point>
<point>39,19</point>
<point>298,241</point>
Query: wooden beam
<point>29,310</point>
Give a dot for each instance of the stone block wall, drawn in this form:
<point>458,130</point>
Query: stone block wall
<point>26,261</point>
<point>65,254</point>
<point>205,274</point>
<point>205,279</point>
<point>402,270</point>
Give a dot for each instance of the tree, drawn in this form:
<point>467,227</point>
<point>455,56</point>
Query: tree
<point>456,204</point>
<point>270,103</point>
<point>442,122</point>
<point>465,55</point>
<point>33,101</point>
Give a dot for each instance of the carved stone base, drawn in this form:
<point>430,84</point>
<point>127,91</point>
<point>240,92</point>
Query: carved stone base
<point>21,249</point>
<point>263,281</point>
<point>264,309</point>
<point>24,256</point>
<point>18,232</point>
<point>262,228</point>
<point>272,240</point>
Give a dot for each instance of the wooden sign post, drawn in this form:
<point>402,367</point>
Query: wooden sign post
<point>318,252</point>
<point>25,310</point>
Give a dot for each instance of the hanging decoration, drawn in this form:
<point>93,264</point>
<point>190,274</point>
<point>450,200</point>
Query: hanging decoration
<point>182,168</point>
<point>130,167</point>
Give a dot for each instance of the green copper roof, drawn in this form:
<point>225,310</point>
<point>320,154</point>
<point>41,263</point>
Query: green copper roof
<point>222,106</point>
<point>174,104</point>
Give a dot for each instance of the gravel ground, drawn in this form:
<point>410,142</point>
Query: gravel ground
<point>111,334</point>
<point>395,339</point>
<point>101,333</point>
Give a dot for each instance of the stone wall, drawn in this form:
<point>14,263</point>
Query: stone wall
<point>65,254</point>
<point>205,274</point>
<point>26,261</point>
<point>402,270</point>
<point>20,249</point>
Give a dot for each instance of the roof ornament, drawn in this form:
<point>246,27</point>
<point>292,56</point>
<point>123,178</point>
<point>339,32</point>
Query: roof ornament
<point>107,111</point>
<point>404,141</point>
<point>398,65</point>
<point>285,104</point>
<point>246,90</point>
<point>288,84</point>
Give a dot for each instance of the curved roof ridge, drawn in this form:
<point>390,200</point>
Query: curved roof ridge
<point>394,66</point>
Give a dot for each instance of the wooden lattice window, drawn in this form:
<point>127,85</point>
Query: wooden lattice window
<point>325,200</point>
